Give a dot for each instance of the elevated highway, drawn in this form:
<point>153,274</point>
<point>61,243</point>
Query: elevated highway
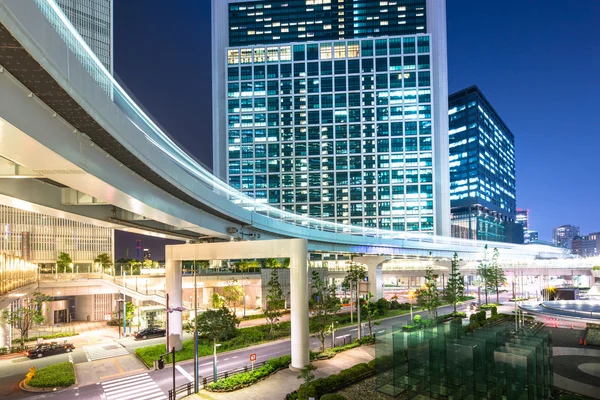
<point>70,129</point>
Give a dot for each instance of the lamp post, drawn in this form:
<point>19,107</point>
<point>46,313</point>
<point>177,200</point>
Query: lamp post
<point>411,296</point>
<point>195,330</point>
<point>215,359</point>
<point>124,317</point>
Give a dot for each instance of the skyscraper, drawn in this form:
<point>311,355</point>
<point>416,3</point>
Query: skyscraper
<point>482,170</point>
<point>523,217</point>
<point>335,109</point>
<point>93,19</point>
<point>564,234</point>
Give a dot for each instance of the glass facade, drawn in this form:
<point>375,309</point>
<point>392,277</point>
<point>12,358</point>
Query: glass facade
<point>339,130</point>
<point>93,21</point>
<point>288,21</point>
<point>482,168</point>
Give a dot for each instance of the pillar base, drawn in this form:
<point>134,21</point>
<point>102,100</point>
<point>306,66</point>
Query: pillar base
<point>175,341</point>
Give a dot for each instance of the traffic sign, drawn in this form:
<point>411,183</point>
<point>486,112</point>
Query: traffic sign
<point>252,357</point>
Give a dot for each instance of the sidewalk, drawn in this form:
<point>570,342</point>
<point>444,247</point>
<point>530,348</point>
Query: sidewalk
<point>284,382</point>
<point>89,373</point>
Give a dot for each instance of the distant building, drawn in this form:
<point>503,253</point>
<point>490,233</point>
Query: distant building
<point>523,217</point>
<point>530,236</point>
<point>482,170</point>
<point>586,246</point>
<point>564,234</point>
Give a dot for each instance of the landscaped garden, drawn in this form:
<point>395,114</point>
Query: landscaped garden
<point>53,376</point>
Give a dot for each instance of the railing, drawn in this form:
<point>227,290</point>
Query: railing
<point>187,389</point>
<point>156,138</point>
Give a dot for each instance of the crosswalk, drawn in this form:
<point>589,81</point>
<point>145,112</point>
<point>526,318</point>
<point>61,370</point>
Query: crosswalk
<point>137,387</point>
<point>102,351</point>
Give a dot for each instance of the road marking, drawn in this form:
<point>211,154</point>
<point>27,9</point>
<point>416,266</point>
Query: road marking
<point>208,363</point>
<point>137,387</point>
<point>234,357</point>
<point>70,358</point>
<point>184,373</point>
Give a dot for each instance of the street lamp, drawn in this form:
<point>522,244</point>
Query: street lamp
<point>411,296</point>
<point>215,359</point>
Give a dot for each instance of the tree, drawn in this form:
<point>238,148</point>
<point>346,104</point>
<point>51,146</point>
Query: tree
<point>324,305</point>
<point>483,270</point>
<point>63,262</point>
<point>216,301</point>
<point>104,260</point>
<point>25,315</point>
<point>496,274</point>
<point>456,284</point>
<point>369,311</point>
<point>233,293</point>
<point>428,296</point>
<point>216,325</point>
<point>306,373</point>
<point>354,274</point>
<point>274,301</point>
<point>130,310</point>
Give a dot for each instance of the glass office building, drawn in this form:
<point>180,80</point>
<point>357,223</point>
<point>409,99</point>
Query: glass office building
<point>335,109</point>
<point>482,170</point>
<point>93,19</point>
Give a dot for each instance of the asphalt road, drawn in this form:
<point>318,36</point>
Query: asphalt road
<point>183,372</point>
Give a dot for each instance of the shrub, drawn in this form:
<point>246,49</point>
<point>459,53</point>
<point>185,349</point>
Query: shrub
<point>480,316</point>
<point>56,375</point>
<point>238,381</point>
<point>417,319</point>
<point>45,337</point>
<point>346,377</point>
<point>494,311</point>
<point>333,396</point>
<point>382,306</point>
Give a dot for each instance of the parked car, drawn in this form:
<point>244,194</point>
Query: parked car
<point>49,349</point>
<point>474,306</point>
<point>150,332</point>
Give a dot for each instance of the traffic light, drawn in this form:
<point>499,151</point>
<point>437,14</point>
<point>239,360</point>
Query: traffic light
<point>161,362</point>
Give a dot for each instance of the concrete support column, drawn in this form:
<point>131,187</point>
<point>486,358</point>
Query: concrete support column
<point>299,303</point>
<point>174,289</point>
<point>374,273</point>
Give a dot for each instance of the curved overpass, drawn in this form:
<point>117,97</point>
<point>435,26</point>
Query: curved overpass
<point>65,118</point>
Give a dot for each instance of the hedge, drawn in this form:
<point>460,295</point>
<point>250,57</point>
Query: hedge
<point>244,379</point>
<point>321,386</point>
<point>333,396</point>
<point>45,337</point>
<point>56,375</point>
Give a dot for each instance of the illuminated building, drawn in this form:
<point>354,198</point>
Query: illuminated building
<point>482,170</point>
<point>335,110</point>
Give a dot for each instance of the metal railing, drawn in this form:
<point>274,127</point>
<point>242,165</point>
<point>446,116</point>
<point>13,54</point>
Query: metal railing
<point>188,388</point>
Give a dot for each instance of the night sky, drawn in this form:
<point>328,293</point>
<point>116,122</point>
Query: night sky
<point>537,62</point>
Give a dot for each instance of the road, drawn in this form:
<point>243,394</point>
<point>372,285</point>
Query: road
<point>137,386</point>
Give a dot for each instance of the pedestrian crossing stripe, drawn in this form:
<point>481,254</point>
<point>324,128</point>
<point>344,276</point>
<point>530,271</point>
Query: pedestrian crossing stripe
<point>102,351</point>
<point>136,387</point>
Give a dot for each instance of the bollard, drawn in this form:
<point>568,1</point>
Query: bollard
<point>571,326</point>
<point>585,342</point>
<point>580,340</point>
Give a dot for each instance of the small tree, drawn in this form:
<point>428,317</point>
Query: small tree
<point>456,284</point>
<point>104,260</point>
<point>496,274</point>
<point>324,305</point>
<point>216,301</point>
<point>483,270</point>
<point>306,373</point>
<point>233,293</point>
<point>27,314</point>
<point>369,311</point>
<point>354,274</point>
<point>428,296</point>
<point>274,301</point>
<point>130,310</point>
<point>63,262</point>
<point>215,325</point>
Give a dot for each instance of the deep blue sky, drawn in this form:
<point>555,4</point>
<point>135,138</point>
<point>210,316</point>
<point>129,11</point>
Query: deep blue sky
<point>537,62</point>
